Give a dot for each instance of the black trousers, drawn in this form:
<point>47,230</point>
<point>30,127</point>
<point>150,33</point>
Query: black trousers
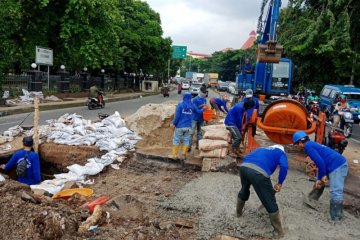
<point>262,186</point>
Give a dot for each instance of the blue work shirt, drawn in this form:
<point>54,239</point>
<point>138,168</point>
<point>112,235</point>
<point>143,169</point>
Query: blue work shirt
<point>325,158</point>
<point>246,68</point>
<point>198,110</point>
<point>221,103</point>
<point>183,116</point>
<point>235,116</point>
<point>251,110</point>
<point>268,159</point>
<point>32,168</point>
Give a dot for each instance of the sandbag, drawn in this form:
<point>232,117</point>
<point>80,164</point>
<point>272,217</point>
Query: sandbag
<point>216,153</point>
<point>218,134</point>
<point>213,127</point>
<point>209,144</point>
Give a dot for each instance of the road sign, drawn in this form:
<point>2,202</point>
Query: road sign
<point>43,56</point>
<point>179,51</point>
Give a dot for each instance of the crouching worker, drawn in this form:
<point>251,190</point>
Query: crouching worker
<point>233,123</point>
<point>183,125</point>
<point>331,165</point>
<point>256,169</point>
<point>26,162</point>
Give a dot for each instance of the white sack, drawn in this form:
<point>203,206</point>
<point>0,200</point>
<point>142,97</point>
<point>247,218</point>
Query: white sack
<point>209,144</point>
<point>216,153</point>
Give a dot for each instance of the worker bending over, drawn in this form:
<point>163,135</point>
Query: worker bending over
<point>233,123</point>
<point>256,169</point>
<point>219,104</point>
<point>331,165</point>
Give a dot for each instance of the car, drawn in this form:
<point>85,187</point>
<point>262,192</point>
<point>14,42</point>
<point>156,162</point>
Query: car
<point>223,86</point>
<point>330,92</point>
<point>232,88</point>
<point>195,89</point>
<point>185,85</point>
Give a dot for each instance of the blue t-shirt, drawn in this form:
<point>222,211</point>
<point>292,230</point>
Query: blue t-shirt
<point>251,110</point>
<point>32,168</point>
<point>235,116</point>
<point>198,111</point>
<point>268,159</point>
<point>325,158</point>
<point>221,103</point>
<point>183,116</point>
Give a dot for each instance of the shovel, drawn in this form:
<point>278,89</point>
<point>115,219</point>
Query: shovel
<point>312,197</point>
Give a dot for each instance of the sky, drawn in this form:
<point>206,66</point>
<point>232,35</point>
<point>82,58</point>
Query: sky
<point>206,26</point>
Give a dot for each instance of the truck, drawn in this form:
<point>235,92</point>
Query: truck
<point>194,77</point>
<point>211,79</point>
<point>272,74</point>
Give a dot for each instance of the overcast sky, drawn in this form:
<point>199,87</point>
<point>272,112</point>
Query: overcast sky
<point>206,26</point>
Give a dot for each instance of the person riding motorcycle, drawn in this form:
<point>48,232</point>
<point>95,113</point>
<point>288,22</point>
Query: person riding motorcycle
<point>95,93</point>
<point>339,107</point>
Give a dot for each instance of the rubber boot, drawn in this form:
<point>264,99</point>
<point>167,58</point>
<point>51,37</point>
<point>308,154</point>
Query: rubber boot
<point>336,210</point>
<point>175,151</point>
<point>315,195</point>
<point>184,152</point>
<point>276,223</point>
<point>239,207</point>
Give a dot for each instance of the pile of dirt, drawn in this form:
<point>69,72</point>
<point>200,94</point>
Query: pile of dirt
<point>27,216</point>
<point>152,123</point>
<point>61,156</point>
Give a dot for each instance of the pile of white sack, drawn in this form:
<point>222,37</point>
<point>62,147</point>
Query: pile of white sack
<point>110,134</point>
<point>214,145</point>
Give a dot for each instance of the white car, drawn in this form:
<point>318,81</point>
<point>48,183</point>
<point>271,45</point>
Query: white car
<point>232,88</point>
<point>185,85</point>
<point>195,89</point>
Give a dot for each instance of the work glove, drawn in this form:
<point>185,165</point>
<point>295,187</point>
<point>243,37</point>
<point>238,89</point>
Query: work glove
<point>277,187</point>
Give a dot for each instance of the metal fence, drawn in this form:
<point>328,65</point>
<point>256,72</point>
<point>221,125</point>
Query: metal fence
<point>76,83</point>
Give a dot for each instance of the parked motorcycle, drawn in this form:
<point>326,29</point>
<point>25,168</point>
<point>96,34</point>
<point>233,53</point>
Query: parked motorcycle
<point>336,140</point>
<point>97,102</point>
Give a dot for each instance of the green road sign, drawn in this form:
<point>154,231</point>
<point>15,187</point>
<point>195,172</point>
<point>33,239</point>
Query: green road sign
<point>179,51</point>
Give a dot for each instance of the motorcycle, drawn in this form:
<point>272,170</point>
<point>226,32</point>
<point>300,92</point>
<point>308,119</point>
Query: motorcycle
<point>97,102</point>
<point>346,121</point>
<point>336,140</point>
<point>165,91</point>
<point>313,108</point>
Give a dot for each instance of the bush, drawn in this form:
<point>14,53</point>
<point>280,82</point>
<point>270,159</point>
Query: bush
<point>74,89</point>
<point>49,91</point>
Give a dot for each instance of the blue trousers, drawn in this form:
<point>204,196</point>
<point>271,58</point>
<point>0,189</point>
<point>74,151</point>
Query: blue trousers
<point>337,181</point>
<point>182,134</point>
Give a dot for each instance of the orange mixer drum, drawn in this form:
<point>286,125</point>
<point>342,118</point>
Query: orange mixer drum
<point>282,118</point>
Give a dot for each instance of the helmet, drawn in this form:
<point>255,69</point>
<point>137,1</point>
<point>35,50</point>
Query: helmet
<point>342,98</point>
<point>299,135</point>
<point>248,93</point>
<point>278,146</point>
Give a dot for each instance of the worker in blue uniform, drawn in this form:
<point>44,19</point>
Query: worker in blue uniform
<point>332,166</point>
<point>31,173</point>
<point>199,106</point>
<point>182,124</point>
<point>219,104</point>
<point>256,169</point>
<point>250,95</point>
<point>233,123</point>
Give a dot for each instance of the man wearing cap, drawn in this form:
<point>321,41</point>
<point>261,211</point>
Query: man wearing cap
<point>256,169</point>
<point>233,123</point>
<point>199,106</point>
<point>331,165</point>
<point>32,175</point>
<point>249,95</point>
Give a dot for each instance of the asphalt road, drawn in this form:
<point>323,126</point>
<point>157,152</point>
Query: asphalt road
<point>123,107</point>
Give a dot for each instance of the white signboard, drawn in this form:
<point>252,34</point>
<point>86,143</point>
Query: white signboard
<point>44,56</point>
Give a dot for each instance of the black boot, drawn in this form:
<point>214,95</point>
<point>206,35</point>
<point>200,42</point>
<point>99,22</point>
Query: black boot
<point>336,210</point>
<point>276,223</point>
<point>239,207</point>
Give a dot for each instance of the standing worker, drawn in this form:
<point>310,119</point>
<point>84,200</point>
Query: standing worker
<point>250,96</point>
<point>233,123</point>
<point>256,169</point>
<point>182,124</point>
<point>199,104</point>
<point>331,165</point>
<point>219,104</point>
<point>26,162</point>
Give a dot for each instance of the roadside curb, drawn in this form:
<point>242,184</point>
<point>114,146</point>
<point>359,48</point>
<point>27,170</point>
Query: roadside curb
<point>6,111</point>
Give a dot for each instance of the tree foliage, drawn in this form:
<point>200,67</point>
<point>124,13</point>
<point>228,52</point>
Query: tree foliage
<point>322,39</point>
<point>119,35</point>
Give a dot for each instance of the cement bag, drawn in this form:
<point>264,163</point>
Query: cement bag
<point>218,134</point>
<point>2,178</point>
<point>209,144</point>
<point>216,153</point>
<point>213,127</point>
